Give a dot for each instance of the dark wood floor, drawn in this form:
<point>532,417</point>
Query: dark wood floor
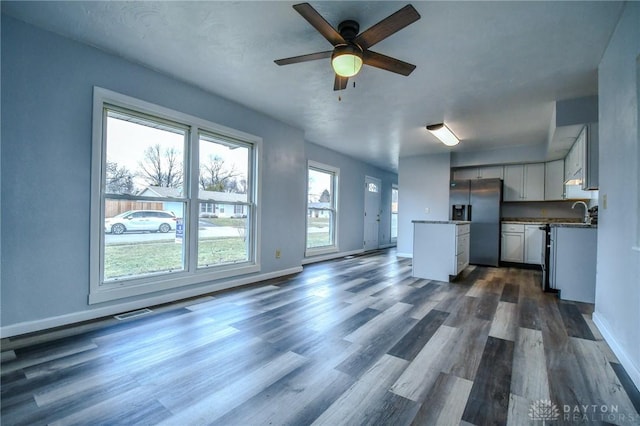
<point>352,341</point>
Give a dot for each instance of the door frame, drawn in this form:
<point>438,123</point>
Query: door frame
<point>367,193</point>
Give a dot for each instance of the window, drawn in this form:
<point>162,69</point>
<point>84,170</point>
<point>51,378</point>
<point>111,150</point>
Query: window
<point>394,213</point>
<point>637,246</point>
<point>161,180</point>
<point>225,167</point>
<point>322,184</point>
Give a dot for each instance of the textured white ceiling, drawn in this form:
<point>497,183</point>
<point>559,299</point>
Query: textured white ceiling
<point>490,70</point>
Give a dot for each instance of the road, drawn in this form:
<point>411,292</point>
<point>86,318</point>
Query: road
<point>206,231</point>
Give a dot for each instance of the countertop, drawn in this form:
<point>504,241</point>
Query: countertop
<point>443,222</point>
<point>572,225</point>
<point>555,222</point>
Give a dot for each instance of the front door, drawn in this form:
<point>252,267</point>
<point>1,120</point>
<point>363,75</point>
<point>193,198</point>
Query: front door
<point>371,212</point>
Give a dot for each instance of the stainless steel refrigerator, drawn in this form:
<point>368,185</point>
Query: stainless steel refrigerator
<point>478,201</point>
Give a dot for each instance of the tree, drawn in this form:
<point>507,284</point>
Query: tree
<point>161,168</point>
<point>119,180</point>
<point>325,197</point>
<point>216,176</point>
<point>238,186</point>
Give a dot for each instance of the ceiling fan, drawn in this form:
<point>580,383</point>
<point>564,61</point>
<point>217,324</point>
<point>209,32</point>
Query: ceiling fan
<point>350,49</point>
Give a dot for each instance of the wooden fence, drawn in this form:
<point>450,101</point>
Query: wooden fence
<point>114,207</point>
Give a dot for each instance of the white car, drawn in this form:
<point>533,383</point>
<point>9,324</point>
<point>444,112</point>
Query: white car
<point>141,220</point>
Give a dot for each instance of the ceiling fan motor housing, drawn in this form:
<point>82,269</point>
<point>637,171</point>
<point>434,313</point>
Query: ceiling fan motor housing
<point>348,29</point>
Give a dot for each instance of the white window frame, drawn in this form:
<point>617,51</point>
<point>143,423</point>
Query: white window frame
<point>334,248</point>
<point>101,291</point>
<point>391,237</point>
<point>636,247</point>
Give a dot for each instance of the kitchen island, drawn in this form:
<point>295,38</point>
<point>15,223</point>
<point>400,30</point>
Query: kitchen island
<point>440,248</point>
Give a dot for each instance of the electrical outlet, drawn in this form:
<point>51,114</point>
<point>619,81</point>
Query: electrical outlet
<point>543,212</point>
<point>604,201</point>
<point>278,253</point>
<point>427,210</point>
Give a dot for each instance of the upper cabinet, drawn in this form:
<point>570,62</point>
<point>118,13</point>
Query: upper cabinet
<point>465,173</point>
<point>491,172</point>
<point>574,129</point>
<point>524,182</point>
<point>581,165</point>
<point>487,172</point>
<point>554,180</point>
<point>590,155</point>
<point>574,160</point>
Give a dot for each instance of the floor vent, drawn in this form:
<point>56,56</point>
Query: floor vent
<point>133,314</point>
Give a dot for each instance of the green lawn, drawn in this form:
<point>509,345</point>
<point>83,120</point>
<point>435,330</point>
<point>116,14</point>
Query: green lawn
<point>225,221</point>
<point>125,260</point>
<point>143,258</point>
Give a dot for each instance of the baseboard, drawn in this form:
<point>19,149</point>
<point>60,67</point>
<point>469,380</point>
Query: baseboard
<point>76,317</point>
<point>384,246</point>
<point>409,255</point>
<point>631,369</point>
<point>314,259</point>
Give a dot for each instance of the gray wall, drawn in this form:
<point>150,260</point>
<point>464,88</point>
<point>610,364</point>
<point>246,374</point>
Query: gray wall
<point>47,84</point>
<point>617,310</point>
<point>351,196</point>
<point>423,183</point>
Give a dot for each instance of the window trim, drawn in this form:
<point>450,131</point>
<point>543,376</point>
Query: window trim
<point>99,291</point>
<point>393,239</point>
<point>636,247</point>
<point>334,248</point>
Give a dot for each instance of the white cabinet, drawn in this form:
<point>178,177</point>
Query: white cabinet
<point>533,242</point>
<point>491,172</point>
<point>440,249</point>
<point>486,172</point>
<point>524,182</point>
<point>466,173</point>
<point>574,175</point>
<point>462,247</point>
<point>513,183</point>
<point>554,180</point>
<point>522,243</point>
<point>533,182</point>
<point>590,163</point>
<point>573,162</point>
<point>512,243</point>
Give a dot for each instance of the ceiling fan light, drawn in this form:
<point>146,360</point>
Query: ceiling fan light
<point>346,61</point>
<point>442,132</point>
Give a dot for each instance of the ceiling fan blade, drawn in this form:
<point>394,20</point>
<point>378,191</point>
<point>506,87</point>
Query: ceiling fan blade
<point>340,83</point>
<point>319,23</point>
<point>387,63</point>
<point>390,25</point>
<point>304,58</point>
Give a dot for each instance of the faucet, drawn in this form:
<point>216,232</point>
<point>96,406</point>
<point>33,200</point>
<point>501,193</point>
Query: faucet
<point>587,218</point>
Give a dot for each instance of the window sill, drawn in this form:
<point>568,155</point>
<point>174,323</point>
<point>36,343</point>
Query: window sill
<point>320,251</point>
<point>121,290</point>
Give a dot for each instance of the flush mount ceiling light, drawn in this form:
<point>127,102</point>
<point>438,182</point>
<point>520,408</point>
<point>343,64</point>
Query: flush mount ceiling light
<point>346,60</point>
<point>442,132</point>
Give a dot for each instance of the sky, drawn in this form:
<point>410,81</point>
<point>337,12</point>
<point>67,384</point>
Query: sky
<point>127,141</point>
